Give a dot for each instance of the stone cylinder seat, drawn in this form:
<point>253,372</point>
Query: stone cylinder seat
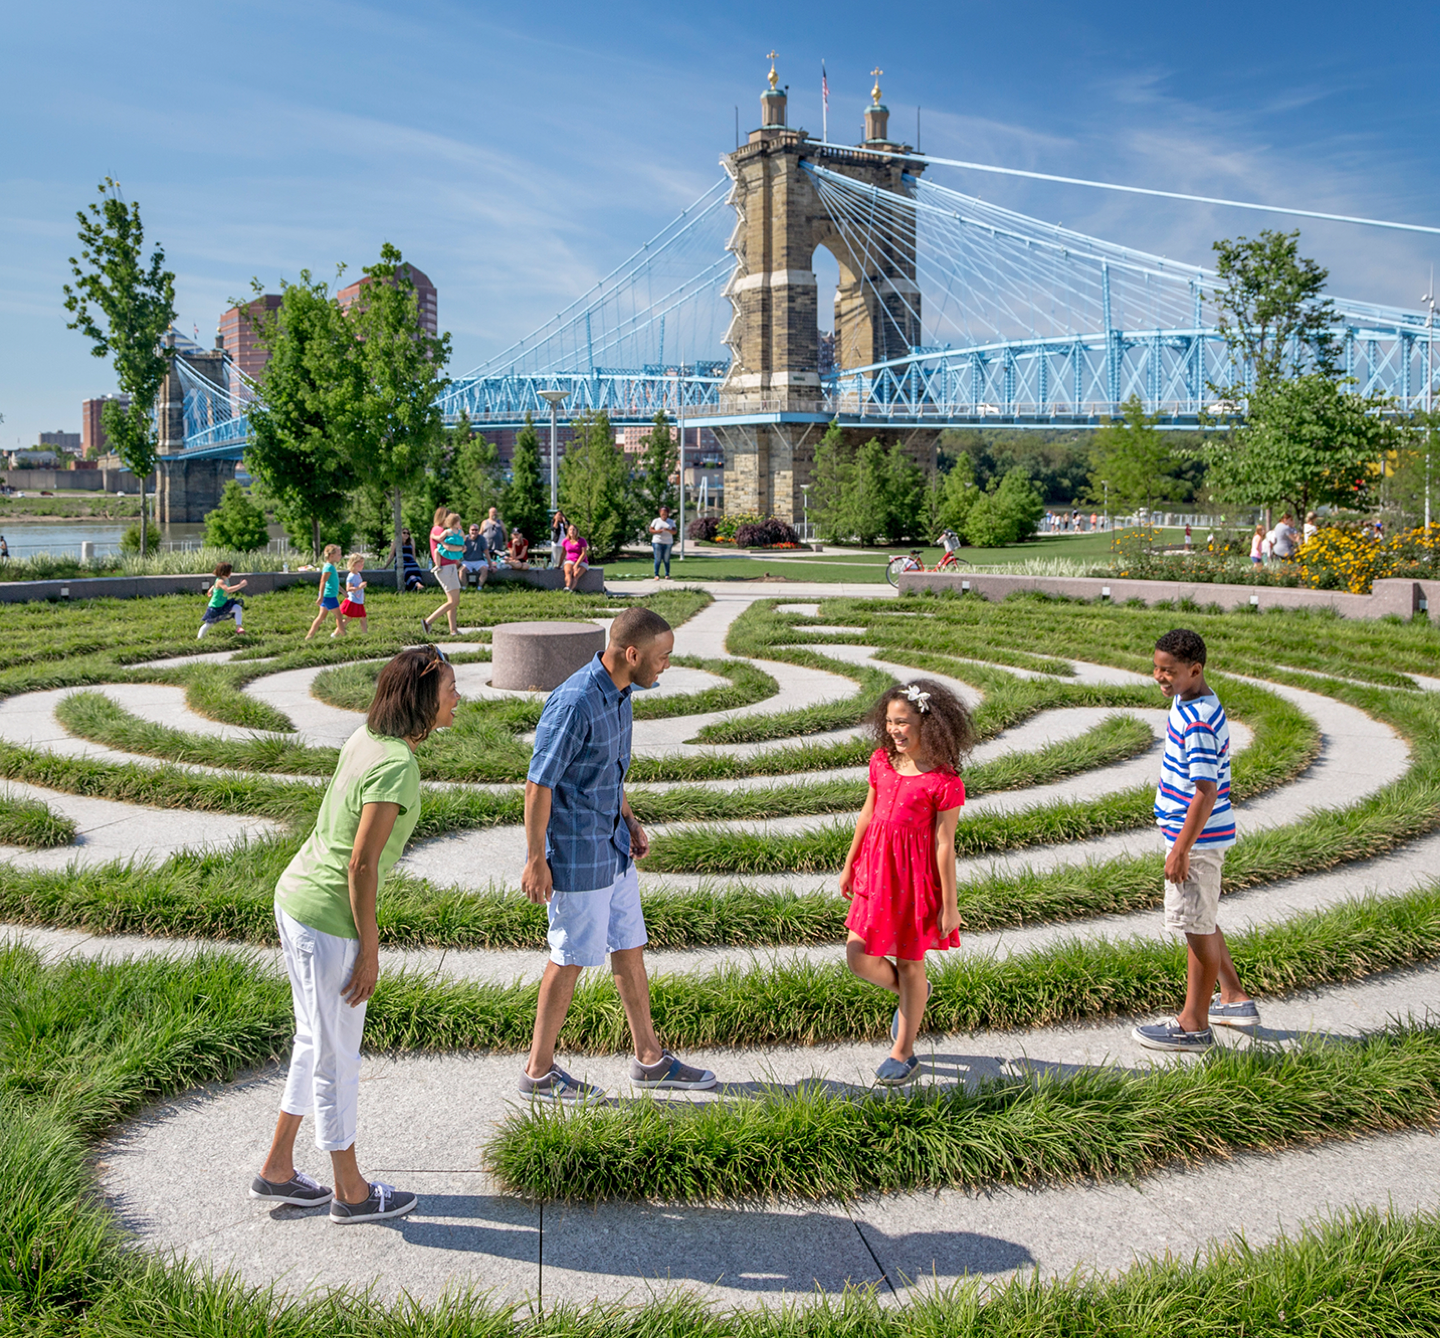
<point>540,655</point>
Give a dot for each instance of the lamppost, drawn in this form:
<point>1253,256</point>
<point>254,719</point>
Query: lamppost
<point>680,423</point>
<point>554,399</point>
<point>805,496</point>
<point>1429,299</point>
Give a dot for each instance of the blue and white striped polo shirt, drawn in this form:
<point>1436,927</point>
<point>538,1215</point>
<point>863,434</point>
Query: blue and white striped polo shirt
<point>1197,749</point>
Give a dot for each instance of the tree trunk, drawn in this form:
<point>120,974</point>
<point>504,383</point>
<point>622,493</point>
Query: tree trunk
<point>399,557</point>
<point>143,532</point>
<point>315,535</point>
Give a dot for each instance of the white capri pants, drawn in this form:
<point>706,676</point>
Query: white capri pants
<point>324,1080</point>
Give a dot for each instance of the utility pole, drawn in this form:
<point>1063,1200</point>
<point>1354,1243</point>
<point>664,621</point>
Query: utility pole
<point>555,399</point>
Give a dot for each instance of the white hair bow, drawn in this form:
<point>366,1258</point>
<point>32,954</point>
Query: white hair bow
<point>918,696</point>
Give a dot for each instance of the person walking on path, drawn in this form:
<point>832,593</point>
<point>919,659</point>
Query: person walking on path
<point>329,597</point>
<point>325,912</point>
<point>437,529</point>
<point>900,871</point>
<point>1285,538</point>
<point>1192,809</point>
<point>582,842</point>
<point>662,539</point>
<point>224,603</point>
<point>574,552</point>
<point>559,527</point>
<point>1257,545</point>
<point>449,551</point>
<point>353,606</point>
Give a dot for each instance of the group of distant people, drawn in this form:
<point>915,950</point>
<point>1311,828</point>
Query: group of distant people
<point>1282,541</point>
<point>1072,522</point>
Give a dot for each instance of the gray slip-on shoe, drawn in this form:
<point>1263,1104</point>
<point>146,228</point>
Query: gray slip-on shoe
<point>1239,1014</point>
<point>893,1073</point>
<point>1170,1037</point>
<point>299,1190</point>
<point>669,1072</point>
<point>558,1087</point>
<point>383,1202</point>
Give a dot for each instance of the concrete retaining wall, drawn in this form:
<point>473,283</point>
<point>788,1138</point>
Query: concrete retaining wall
<point>1391,595</point>
<point>104,481</point>
<point>127,588</point>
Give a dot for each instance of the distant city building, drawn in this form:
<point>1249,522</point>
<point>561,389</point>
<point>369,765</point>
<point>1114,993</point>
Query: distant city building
<point>92,433</point>
<point>827,353</point>
<point>30,459</point>
<point>61,441</point>
<point>237,337</point>
<point>426,297</point>
<point>631,440</point>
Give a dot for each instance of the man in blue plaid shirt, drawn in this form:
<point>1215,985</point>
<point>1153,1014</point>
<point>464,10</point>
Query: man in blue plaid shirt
<point>581,837</point>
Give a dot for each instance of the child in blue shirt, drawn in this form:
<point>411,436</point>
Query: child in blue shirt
<point>329,597</point>
<point>1192,809</point>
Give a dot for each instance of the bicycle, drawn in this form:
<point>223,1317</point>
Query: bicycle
<point>950,561</point>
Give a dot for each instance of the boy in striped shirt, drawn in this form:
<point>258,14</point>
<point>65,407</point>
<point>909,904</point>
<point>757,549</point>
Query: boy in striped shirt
<point>1192,808</point>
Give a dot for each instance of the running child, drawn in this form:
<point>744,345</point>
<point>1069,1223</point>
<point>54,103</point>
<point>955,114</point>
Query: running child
<point>329,597</point>
<point>353,606</point>
<point>900,871</point>
<point>1192,808</point>
<point>223,604</point>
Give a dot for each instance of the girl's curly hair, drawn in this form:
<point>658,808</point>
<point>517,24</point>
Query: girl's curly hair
<point>947,731</point>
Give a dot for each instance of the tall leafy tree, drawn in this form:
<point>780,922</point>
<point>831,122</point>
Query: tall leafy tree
<point>527,500</point>
<point>124,305</point>
<point>957,495</point>
<point>867,503</point>
<point>463,473</point>
<point>830,486</point>
<point>304,422</point>
<point>1007,512</point>
<point>595,489</point>
<point>1307,441</point>
<point>1273,313</point>
<point>658,466</point>
<point>402,374</point>
<point>1132,456</point>
<point>904,496</point>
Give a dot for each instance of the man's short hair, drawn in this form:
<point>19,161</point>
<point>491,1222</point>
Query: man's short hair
<point>637,627</point>
<point>1183,645</point>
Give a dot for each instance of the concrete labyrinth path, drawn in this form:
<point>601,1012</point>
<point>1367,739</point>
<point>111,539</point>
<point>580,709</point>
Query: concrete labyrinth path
<point>426,1119</point>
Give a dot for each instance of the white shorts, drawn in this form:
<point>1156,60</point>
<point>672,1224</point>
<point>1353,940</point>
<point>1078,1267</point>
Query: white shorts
<point>585,925</point>
<point>1192,908</point>
<point>324,1079</point>
<point>448,575</point>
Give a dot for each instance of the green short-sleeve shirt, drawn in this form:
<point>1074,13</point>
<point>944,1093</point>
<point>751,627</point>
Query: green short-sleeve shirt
<point>315,888</point>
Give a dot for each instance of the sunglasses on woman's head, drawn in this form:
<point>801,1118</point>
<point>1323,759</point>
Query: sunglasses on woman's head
<point>440,659</point>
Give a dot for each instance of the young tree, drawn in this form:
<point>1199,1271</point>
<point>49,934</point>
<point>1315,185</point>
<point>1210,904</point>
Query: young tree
<point>830,486</point>
<point>304,422</point>
<point>527,502</point>
<point>904,497</point>
<point>402,374</point>
<point>595,490</point>
<point>124,307</point>
<point>1307,441</point>
<point>1272,312</point>
<point>958,493</point>
<point>658,465</point>
<point>463,473</point>
<point>1007,513</point>
<point>237,523</point>
<point>867,504</point>
<point>1132,456</point>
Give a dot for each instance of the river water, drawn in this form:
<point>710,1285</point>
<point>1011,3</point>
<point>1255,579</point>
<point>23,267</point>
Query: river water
<point>28,538</point>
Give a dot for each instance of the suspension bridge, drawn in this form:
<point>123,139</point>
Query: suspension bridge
<point>950,311</point>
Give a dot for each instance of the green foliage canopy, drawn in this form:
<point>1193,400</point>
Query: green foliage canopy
<point>595,490</point>
<point>1134,458</point>
<point>1007,513</point>
<point>654,488</point>
<point>526,501</point>
<point>237,523</point>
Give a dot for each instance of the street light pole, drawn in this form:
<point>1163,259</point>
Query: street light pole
<point>680,421</point>
<point>555,399</point>
<point>1429,392</point>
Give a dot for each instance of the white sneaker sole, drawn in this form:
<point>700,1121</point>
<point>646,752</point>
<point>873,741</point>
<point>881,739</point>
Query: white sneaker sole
<point>676,1083</point>
<point>393,1213</point>
<point>290,1200</point>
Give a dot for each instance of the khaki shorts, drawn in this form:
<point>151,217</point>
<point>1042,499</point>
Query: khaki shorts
<point>448,575</point>
<point>1191,908</point>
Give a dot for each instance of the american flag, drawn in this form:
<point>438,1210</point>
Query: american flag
<point>824,87</point>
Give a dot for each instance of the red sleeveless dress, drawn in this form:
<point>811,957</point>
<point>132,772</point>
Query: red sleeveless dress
<point>895,907</point>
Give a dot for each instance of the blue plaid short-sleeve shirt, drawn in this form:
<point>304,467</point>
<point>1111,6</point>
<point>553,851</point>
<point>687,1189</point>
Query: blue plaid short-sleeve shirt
<point>582,753</point>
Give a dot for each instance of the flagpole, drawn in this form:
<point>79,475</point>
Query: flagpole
<point>824,105</point>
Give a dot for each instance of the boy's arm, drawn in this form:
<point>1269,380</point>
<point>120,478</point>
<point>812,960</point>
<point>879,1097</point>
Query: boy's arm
<point>1177,863</point>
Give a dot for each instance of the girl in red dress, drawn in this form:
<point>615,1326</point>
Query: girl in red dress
<point>900,873</point>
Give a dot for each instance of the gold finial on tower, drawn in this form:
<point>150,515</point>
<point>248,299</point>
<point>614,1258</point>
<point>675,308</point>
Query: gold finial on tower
<point>774,78</point>
<point>875,92</point>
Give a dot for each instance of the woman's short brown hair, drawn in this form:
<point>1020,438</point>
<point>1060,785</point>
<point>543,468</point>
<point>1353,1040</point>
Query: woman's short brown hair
<point>407,694</point>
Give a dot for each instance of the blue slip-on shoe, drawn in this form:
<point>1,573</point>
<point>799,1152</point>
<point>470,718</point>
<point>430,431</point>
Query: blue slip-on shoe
<point>1170,1037</point>
<point>893,1073</point>
<point>1240,1014</point>
<point>895,1018</point>
<point>670,1072</point>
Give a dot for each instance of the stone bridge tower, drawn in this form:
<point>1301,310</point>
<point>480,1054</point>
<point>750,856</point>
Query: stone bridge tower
<point>185,490</point>
<point>774,334</point>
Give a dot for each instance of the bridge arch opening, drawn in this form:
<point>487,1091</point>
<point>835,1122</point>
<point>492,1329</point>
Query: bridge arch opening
<point>826,266</point>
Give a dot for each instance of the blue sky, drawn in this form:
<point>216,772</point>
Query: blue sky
<point>516,153</point>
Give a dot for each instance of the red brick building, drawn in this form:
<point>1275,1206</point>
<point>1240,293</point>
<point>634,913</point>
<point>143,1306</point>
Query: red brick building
<point>426,297</point>
<point>92,435</point>
<point>237,336</point>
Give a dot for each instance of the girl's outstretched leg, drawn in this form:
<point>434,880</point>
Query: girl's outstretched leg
<point>870,967</point>
<point>914,991</point>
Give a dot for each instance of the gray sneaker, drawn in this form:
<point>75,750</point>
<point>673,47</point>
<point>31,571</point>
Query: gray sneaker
<point>669,1072</point>
<point>558,1087</point>
<point>383,1202</point>
<point>892,1073</point>
<point>299,1190</point>
<point>1240,1014</point>
<point>1170,1037</point>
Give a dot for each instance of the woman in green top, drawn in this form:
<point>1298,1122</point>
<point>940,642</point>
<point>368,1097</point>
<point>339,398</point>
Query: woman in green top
<point>325,911</point>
